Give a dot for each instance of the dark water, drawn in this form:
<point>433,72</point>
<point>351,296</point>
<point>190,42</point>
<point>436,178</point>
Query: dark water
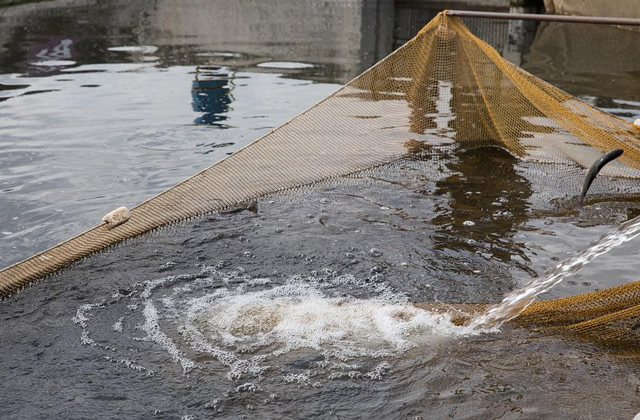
<point>304,309</point>
<point>105,104</point>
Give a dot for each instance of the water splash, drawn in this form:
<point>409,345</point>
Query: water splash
<point>518,300</point>
<point>309,329</point>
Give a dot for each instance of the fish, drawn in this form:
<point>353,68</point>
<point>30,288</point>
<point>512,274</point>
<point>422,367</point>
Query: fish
<point>595,169</point>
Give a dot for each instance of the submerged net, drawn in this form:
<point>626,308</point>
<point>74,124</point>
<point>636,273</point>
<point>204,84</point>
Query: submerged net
<point>443,89</point>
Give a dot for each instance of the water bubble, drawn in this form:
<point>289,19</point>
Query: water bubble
<point>167,265</point>
<point>376,270</point>
<point>325,201</point>
<point>213,405</point>
<point>468,223</point>
<point>247,323</point>
<point>117,326</point>
<point>375,252</point>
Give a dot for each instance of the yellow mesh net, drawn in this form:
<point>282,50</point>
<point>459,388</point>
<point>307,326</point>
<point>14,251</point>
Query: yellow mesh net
<point>442,88</point>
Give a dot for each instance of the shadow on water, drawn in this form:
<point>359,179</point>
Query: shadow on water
<point>487,205</point>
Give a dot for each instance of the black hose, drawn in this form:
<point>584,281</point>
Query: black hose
<point>595,168</point>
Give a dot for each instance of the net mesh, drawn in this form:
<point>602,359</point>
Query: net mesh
<point>444,87</point>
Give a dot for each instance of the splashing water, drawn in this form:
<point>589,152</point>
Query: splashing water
<point>518,300</point>
<point>348,326</point>
<point>353,326</point>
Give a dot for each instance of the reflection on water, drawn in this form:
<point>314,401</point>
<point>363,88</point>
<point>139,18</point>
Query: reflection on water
<point>211,94</point>
<point>107,103</point>
<point>596,61</point>
<point>487,205</point>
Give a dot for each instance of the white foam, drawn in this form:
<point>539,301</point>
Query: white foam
<point>154,333</point>
<point>81,318</point>
<point>130,364</point>
<point>299,315</point>
<point>300,378</point>
<point>117,326</point>
<point>250,324</point>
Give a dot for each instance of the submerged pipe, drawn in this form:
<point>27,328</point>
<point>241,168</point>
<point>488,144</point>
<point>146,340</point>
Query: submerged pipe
<point>595,169</point>
<point>546,18</point>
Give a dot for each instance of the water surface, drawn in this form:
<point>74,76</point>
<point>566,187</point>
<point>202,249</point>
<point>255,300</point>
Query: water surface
<point>304,308</point>
<point>104,104</point>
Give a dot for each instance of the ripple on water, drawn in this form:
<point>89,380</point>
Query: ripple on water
<point>53,63</point>
<point>284,65</point>
<point>144,49</point>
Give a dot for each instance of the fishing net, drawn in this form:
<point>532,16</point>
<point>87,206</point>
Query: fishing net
<point>443,89</point>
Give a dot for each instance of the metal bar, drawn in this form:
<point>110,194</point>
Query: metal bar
<point>546,18</point>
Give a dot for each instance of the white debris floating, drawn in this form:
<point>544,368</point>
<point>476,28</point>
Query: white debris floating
<point>116,217</point>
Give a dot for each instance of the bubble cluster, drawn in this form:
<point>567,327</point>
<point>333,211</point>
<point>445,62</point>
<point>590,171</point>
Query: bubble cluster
<point>348,327</point>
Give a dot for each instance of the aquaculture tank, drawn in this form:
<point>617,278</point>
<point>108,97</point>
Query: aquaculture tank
<point>388,253</point>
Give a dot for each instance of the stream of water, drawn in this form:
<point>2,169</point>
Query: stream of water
<point>517,301</point>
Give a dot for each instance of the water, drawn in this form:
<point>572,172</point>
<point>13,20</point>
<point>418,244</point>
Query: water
<point>249,324</point>
<point>306,308</point>
<point>104,104</point>
<point>517,301</point>
<point>100,106</point>
<point>277,314</point>
<point>66,164</point>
